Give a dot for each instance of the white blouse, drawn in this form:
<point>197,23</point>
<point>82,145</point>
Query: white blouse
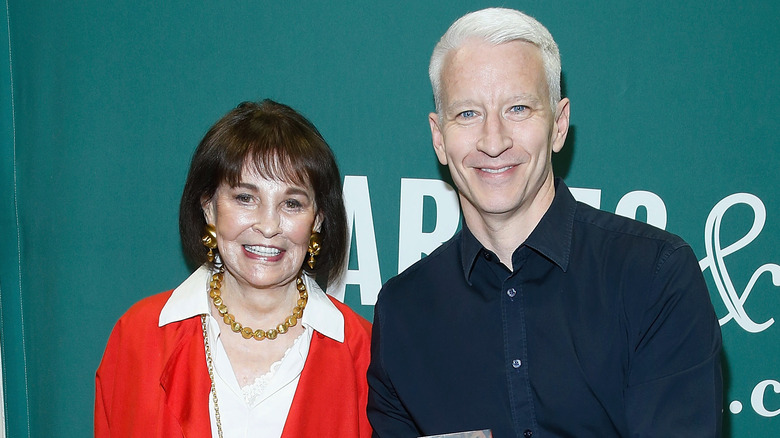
<point>259,409</point>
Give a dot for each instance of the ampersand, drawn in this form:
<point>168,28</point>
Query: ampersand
<point>714,260</point>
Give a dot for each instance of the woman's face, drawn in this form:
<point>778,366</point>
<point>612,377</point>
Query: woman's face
<point>263,229</point>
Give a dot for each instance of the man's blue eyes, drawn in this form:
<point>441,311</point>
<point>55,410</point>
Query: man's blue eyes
<point>514,109</point>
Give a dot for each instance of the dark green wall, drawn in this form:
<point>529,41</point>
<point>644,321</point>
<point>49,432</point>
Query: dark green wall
<point>111,98</point>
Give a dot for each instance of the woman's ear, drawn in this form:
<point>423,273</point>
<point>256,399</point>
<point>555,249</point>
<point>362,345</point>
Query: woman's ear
<point>318,221</point>
<point>209,209</point>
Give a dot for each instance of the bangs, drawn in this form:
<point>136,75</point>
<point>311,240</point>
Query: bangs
<point>271,150</point>
<point>272,166</point>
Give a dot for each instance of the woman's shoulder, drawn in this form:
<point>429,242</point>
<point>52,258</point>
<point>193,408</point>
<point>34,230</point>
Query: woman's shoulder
<point>139,328</point>
<point>146,311</point>
<point>357,335</point>
<point>352,320</point>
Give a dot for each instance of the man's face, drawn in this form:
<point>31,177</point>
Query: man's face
<point>496,131</point>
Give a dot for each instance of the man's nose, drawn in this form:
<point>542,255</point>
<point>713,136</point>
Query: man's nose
<point>496,137</point>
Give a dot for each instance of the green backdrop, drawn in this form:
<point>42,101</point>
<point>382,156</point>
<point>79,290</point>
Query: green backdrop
<point>103,104</point>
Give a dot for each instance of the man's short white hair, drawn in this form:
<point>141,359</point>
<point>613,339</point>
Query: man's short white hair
<point>497,26</point>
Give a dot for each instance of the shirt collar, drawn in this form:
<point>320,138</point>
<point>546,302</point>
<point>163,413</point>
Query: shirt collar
<point>551,237</point>
<point>470,248</point>
<point>190,299</point>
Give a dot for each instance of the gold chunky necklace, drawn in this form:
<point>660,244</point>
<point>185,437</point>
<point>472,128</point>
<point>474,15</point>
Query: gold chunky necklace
<point>247,332</point>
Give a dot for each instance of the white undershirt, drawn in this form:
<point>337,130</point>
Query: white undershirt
<point>265,413</point>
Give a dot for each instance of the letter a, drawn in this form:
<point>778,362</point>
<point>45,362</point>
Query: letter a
<point>412,241</point>
<point>361,221</point>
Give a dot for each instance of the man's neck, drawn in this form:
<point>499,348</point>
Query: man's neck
<point>504,233</point>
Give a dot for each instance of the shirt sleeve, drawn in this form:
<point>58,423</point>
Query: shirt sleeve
<point>675,387</point>
<point>104,378</point>
<point>386,413</point>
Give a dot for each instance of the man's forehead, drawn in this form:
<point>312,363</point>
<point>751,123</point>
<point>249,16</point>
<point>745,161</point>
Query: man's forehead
<point>478,45</point>
<point>478,57</point>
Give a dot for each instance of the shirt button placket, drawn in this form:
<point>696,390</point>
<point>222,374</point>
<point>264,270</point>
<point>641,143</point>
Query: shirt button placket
<point>511,292</point>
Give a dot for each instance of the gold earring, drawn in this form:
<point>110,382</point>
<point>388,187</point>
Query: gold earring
<point>209,240</point>
<point>314,248</point>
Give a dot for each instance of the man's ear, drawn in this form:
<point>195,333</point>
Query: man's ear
<point>437,138</point>
<point>209,209</point>
<point>561,124</point>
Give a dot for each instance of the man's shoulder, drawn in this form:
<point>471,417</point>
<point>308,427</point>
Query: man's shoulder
<point>601,224</point>
<point>444,260</point>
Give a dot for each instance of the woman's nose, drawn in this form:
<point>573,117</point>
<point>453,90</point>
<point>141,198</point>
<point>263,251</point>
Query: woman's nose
<point>267,223</point>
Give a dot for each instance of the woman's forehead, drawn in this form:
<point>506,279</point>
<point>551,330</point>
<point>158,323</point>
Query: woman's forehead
<point>274,171</point>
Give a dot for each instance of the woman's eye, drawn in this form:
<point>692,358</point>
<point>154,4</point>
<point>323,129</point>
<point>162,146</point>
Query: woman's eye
<point>244,197</point>
<point>292,204</point>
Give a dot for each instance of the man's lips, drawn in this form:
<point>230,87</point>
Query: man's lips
<point>495,170</point>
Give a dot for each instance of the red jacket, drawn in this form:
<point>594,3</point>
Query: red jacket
<point>153,381</point>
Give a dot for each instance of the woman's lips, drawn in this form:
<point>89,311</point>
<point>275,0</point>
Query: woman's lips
<point>266,252</point>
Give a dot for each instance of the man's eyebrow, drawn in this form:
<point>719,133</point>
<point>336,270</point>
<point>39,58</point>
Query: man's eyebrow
<point>465,103</point>
<point>459,104</point>
<point>526,97</point>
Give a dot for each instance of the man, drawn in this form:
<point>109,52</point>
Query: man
<point>542,316</point>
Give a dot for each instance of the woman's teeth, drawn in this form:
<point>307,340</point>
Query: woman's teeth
<point>264,251</point>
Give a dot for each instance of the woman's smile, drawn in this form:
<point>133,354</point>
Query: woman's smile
<point>264,251</point>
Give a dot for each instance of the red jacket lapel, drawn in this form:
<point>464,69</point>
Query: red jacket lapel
<point>186,384</point>
<point>332,394</point>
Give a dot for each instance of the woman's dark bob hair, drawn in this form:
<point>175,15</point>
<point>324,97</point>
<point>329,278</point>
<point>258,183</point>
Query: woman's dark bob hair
<point>280,144</point>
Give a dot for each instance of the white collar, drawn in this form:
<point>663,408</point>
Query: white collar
<point>190,299</point>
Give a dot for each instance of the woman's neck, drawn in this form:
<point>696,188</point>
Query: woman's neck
<point>259,308</point>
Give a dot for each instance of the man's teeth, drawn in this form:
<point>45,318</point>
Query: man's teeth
<point>263,250</point>
<point>503,169</point>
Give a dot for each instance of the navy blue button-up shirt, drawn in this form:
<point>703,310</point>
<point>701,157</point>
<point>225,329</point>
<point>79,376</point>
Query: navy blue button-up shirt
<point>604,329</point>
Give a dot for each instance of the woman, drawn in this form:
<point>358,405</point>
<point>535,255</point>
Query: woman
<point>248,345</point>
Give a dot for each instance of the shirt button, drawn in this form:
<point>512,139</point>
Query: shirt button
<point>487,256</point>
<point>528,433</point>
<point>511,292</point>
<point>516,363</point>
